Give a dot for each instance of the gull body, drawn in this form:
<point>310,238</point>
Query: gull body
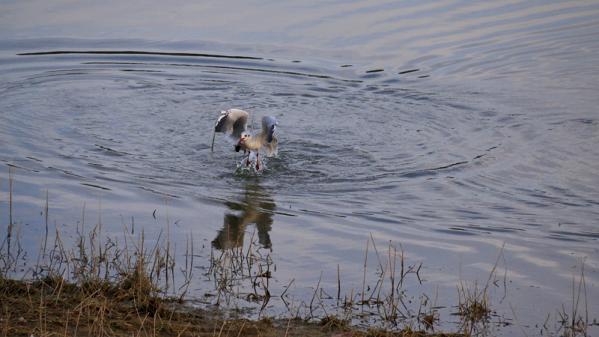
<point>234,123</point>
<point>265,139</point>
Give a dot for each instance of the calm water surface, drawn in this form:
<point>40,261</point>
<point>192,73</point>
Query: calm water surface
<point>452,128</point>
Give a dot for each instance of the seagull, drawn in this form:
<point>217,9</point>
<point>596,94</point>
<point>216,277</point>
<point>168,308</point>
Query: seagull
<point>234,123</point>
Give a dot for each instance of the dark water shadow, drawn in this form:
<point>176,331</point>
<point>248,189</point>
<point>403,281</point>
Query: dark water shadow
<point>138,52</point>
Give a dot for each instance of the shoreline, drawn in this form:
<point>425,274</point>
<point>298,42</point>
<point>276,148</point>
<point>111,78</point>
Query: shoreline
<point>54,307</point>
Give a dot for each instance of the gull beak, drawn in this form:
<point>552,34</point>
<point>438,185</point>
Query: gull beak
<point>238,145</point>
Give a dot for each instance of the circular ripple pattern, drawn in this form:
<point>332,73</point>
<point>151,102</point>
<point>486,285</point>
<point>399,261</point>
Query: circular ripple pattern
<point>436,157</point>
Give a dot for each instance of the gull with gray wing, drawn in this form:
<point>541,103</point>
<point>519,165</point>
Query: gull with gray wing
<point>233,122</point>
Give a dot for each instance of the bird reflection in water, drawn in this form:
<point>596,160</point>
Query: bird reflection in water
<point>255,207</point>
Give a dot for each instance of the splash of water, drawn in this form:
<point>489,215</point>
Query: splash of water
<point>252,164</point>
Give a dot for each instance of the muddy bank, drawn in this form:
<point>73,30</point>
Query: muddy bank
<point>54,307</point>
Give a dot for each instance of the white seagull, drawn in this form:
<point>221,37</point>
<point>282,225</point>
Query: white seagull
<point>234,123</point>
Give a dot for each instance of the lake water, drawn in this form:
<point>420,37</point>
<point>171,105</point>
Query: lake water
<point>453,128</point>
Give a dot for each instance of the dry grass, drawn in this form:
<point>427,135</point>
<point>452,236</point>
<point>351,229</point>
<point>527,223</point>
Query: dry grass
<point>128,300</point>
<point>406,332</point>
<point>474,306</point>
<point>574,321</point>
<point>55,308</point>
<point>237,265</point>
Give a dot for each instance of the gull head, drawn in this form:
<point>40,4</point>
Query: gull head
<point>241,143</point>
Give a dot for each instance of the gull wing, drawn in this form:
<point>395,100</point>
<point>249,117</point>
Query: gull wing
<point>232,122</point>
<point>269,124</point>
